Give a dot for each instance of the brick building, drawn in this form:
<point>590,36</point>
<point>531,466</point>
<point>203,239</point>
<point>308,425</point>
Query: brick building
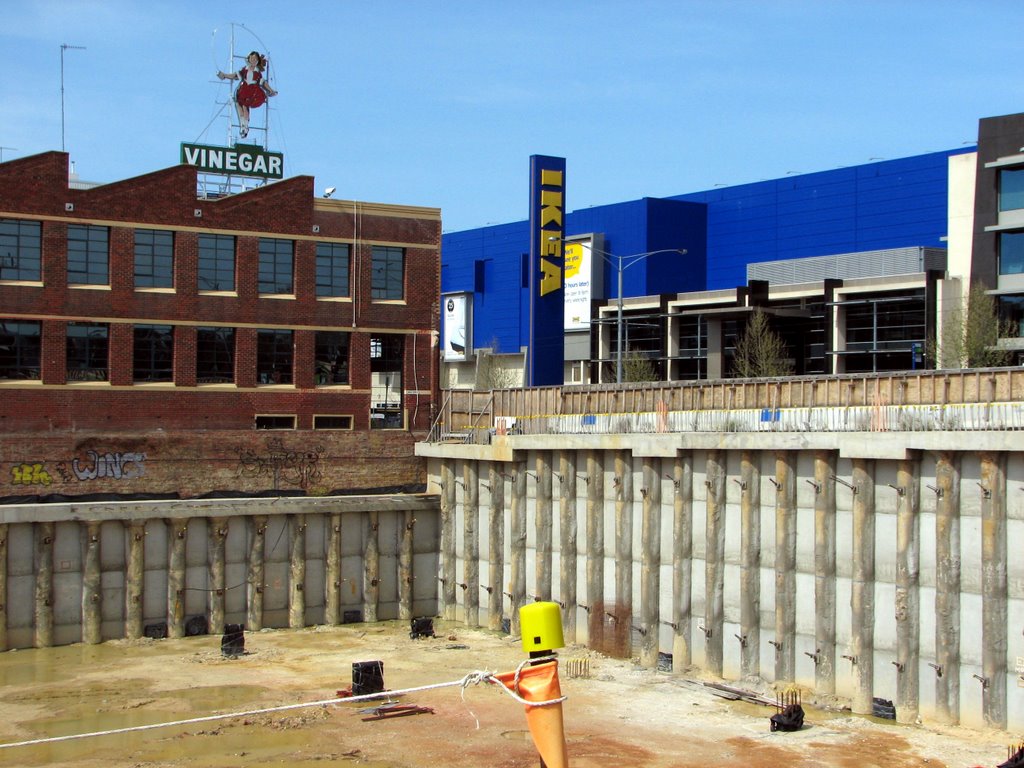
<point>155,342</point>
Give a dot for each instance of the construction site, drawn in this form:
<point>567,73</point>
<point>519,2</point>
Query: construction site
<point>285,684</point>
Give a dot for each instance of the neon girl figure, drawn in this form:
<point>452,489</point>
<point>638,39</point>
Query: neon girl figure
<point>253,90</point>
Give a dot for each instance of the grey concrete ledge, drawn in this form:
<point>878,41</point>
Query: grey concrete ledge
<point>854,445</point>
<point>185,508</point>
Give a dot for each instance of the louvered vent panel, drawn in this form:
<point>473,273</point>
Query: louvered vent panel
<point>891,261</point>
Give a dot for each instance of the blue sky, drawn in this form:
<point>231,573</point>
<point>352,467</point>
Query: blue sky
<point>442,103</point>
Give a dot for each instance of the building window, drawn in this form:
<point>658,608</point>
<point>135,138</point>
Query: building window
<point>275,422</point>
<point>1011,253</point>
<point>884,331</point>
<point>154,258</point>
<point>1011,189</point>
<point>19,349</point>
<point>153,353</point>
<point>388,269</point>
<point>87,351</point>
<point>690,361</point>
<point>215,355</point>
<point>88,255</point>
<point>276,258</point>
<point>331,357</point>
<point>386,352</point>
<point>216,263</point>
<point>20,250</point>
<point>332,422</point>
<point>332,261</point>
<point>274,350</point>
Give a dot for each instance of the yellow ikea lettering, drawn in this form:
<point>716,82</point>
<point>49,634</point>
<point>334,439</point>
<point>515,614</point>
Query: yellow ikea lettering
<point>550,247</point>
<point>551,204</point>
<point>552,279</point>
<point>551,207</point>
<point>550,177</point>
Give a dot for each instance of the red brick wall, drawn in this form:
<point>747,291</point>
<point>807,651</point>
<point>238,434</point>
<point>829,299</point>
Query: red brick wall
<point>47,419</point>
<point>196,462</point>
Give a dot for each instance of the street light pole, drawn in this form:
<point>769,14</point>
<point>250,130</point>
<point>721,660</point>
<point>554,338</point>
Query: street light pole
<point>64,47</point>
<point>618,323</point>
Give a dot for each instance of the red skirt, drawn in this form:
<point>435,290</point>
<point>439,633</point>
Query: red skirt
<point>250,95</point>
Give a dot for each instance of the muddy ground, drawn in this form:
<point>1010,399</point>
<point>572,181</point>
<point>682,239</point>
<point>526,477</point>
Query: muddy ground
<point>619,716</point>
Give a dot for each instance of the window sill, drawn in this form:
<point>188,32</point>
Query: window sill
<point>393,302</point>
<point>24,283</point>
<point>153,289</point>
<point>88,287</point>
<point>283,296</point>
<point>227,294</point>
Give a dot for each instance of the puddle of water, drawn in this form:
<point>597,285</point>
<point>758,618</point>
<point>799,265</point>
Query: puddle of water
<point>79,689</point>
<point>45,665</point>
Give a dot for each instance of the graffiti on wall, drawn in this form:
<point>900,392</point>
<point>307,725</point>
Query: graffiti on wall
<point>115,465</point>
<point>30,474</point>
<point>97,466</point>
<point>283,465</point>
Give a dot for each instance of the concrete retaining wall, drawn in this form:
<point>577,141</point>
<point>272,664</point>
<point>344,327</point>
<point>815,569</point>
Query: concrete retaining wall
<point>98,571</point>
<point>858,566</point>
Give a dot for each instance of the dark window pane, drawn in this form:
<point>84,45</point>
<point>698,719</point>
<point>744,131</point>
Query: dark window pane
<point>388,272</point>
<point>1011,189</point>
<point>19,349</point>
<point>87,351</point>
<point>154,258</point>
<point>153,353</point>
<point>275,269</point>
<point>88,255</point>
<point>215,355</point>
<point>1011,253</point>
<point>331,357</point>
<point>332,264</point>
<point>274,351</point>
<point>275,422</point>
<point>20,250</point>
<point>216,263</point>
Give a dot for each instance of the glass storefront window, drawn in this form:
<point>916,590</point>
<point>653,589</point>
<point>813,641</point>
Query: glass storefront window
<point>1011,189</point>
<point>1011,253</point>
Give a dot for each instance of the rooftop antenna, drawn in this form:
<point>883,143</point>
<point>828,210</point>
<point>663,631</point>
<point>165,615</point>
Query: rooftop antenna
<point>64,47</point>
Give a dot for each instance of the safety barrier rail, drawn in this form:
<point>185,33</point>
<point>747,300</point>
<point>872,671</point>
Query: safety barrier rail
<point>970,399</point>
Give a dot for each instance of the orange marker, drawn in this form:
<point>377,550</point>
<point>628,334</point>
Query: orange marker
<point>541,625</point>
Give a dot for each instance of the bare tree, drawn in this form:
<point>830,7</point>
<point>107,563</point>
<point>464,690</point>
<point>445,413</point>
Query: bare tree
<point>637,367</point>
<point>970,333</point>
<point>491,373</point>
<point>760,351</point>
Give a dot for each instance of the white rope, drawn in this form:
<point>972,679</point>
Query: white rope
<point>472,678</point>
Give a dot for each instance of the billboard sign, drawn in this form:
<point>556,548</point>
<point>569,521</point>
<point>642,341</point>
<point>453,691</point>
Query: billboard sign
<point>458,332</point>
<point>582,281</point>
<point>239,160</point>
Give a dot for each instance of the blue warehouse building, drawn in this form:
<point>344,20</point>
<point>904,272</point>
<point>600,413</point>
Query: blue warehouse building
<point>827,255</point>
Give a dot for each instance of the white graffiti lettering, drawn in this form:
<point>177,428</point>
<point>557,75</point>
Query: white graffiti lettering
<point>114,465</point>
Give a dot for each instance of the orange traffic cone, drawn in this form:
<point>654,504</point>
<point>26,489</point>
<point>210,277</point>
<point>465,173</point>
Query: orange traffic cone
<point>540,683</point>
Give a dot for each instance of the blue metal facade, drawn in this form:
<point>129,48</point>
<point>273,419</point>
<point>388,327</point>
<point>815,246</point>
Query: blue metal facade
<point>887,204</point>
